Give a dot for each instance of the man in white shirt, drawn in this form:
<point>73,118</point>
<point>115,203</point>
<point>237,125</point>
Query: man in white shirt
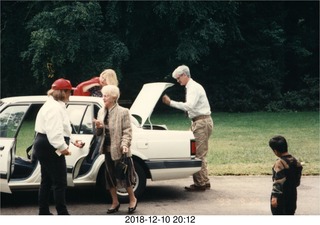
<point>198,109</point>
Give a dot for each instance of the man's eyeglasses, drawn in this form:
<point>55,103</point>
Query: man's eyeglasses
<point>178,77</point>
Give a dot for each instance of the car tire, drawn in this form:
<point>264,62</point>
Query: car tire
<point>138,188</point>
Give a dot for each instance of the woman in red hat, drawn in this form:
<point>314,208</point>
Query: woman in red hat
<point>52,144</point>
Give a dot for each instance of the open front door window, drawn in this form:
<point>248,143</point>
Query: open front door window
<point>10,120</point>
<point>81,118</point>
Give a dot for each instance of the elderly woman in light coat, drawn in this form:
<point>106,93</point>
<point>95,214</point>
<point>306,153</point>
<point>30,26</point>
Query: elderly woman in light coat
<point>114,126</point>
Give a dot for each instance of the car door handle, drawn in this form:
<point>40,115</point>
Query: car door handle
<point>1,147</point>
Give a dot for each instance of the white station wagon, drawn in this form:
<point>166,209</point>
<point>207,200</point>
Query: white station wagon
<point>158,153</point>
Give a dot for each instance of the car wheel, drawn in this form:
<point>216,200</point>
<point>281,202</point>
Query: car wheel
<point>138,188</point>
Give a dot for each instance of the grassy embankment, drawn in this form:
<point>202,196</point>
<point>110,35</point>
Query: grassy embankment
<point>239,143</point>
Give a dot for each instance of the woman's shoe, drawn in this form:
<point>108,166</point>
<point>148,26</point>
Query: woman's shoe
<point>113,210</point>
<point>131,210</point>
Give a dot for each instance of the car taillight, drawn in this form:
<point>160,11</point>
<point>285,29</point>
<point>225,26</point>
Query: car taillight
<point>193,149</point>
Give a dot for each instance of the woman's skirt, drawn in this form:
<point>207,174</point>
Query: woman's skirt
<point>129,178</point>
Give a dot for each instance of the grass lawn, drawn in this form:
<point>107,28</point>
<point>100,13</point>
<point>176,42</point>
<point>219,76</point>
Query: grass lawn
<point>239,142</point>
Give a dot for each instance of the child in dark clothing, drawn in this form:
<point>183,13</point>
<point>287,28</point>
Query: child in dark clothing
<point>286,174</point>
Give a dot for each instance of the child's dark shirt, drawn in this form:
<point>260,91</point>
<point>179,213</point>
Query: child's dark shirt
<point>286,175</point>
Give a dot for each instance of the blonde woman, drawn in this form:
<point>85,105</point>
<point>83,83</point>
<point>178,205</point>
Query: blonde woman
<point>93,86</point>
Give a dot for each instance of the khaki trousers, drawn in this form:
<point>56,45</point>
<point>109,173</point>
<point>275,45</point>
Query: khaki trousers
<point>202,130</point>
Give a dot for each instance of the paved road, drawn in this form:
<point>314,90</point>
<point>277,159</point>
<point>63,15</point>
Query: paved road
<point>229,195</point>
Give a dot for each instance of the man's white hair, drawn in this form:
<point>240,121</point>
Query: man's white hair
<point>183,69</point>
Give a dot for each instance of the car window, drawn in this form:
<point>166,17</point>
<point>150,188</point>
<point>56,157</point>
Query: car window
<point>81,116</point>
<point>10,120</point>
<point>26,132</point>
<point>134,121</point>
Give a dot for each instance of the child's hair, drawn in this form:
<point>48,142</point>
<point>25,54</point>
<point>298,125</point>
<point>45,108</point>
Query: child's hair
<point>278,143</point>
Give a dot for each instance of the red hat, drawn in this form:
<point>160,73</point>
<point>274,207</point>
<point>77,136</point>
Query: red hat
<point>62,84</point>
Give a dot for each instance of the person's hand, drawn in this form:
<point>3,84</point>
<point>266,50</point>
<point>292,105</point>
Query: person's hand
<point>79,143</point>
<point>125,149</point>
<point>98,123</point>
<point>166,100</point>
<point>274,202</point>
<point>65,152</point>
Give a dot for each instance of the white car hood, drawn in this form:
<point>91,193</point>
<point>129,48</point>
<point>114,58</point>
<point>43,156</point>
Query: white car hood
<point>146,100</point>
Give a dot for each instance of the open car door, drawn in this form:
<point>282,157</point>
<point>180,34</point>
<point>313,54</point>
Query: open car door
<point>11,119</point>
<point>81,117</point>
<point>6,150</point>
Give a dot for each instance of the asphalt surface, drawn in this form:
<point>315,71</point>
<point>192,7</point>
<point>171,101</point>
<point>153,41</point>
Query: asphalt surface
<point>229,195</point>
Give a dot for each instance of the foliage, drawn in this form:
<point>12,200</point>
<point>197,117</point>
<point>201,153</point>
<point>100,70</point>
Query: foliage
<point>249,56</point>
<point>65,37</point>
<point>306,98</point>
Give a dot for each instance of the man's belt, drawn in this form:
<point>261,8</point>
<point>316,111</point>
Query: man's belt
<point>202,117</point>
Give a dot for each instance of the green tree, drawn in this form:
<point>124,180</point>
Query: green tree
<point>160,35</point>
<point>252,74</point>
<point>15,76</point>
<point>250,56</point>
<point>68,40</point>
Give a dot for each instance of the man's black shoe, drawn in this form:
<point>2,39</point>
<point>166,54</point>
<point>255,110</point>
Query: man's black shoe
<point>193,187</point>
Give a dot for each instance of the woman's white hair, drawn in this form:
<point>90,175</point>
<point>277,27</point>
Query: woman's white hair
<point>111,90</point>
